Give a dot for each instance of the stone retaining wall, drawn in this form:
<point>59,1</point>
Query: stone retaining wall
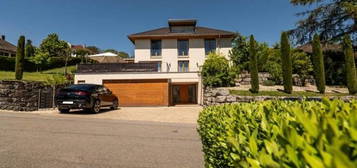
<point>216,96</point>
<point>19,95</point>
<point>244,79</point>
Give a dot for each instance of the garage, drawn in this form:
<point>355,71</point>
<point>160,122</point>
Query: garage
<point>143,92</point>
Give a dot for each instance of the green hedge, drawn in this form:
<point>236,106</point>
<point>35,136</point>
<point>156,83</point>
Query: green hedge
<point>280,134</point>
<point>8,63</point>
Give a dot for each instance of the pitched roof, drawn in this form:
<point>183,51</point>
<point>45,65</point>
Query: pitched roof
<point>325,47</point>
<point>4,45</point>
<point>199,32</point>
<point>77,47</point>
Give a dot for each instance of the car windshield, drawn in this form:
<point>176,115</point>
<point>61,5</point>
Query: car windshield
<point>82,87</point>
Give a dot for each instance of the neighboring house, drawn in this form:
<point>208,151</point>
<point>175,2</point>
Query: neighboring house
<point>177,53</point>
<point>326,47</point>
<point>76,48</point>
<point>6,48</point>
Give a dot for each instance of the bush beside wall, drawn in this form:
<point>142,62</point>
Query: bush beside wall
<point>280,134</point>
<point>8,63</point>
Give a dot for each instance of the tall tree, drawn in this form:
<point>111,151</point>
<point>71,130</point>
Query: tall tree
<point>332,19</point>
<point>239,55</point>
<point>253,65</point>
<point>286,63</point>
<point>29,49</point>
<point>123,54</point>
<point>54,46</point>
<point>93,49</point>
<point>82,53</point>
<point>20,54</point>
<point>350,65</point>
<point>240,52</point>
<point>318,64</point>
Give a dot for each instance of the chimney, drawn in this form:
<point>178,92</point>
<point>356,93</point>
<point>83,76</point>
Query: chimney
<point>3,37</point>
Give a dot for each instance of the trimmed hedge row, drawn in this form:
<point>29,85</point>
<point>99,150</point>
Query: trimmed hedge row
<point>280,134</point>
<point>8,63</point>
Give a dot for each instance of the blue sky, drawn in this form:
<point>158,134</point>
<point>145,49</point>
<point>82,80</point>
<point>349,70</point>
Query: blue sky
<point>106,23</point>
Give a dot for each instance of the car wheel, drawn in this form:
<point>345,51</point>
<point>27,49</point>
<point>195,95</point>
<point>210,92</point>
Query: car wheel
<point>115,105</point>
<point>63,110</point>
<point>96,107</point>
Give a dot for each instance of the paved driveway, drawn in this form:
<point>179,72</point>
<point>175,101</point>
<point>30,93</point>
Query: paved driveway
<point>172,114</point>
<point>31,140</point>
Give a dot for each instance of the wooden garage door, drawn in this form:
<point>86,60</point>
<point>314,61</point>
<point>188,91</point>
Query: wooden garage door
<point>140,92</point>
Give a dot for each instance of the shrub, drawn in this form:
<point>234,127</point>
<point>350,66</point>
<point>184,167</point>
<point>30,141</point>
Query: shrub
<point>253,66</point>
<point>286,63</point>
<point>280,134</point>
<point>268,83</point>
<point>302,65</point>
<point>318,63</point>
<point>20,58</point>
<point>216,71</point>
<point>8,64</point>
<point>350,65</point>
<point>273,66</point>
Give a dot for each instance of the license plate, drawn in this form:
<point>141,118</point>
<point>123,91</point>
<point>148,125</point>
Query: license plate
<point>67,102</point>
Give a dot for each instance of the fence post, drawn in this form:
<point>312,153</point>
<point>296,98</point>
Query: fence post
<point>53,95</point>
<point>39,99</point>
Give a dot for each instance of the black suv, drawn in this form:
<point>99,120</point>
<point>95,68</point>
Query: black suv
<point>85,96</point>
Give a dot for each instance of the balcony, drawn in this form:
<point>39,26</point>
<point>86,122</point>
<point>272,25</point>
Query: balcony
<point>117,67</point>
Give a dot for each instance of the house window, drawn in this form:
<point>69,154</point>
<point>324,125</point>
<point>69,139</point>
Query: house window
<point>210,46</point>
<point>182,47</point>
<point>81,81</point>
<point>183,66</point>
<point>155,47</point>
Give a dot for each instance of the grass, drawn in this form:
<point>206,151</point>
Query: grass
<point>36,76</point>
<point>279,93</point>
<point>60,70</point>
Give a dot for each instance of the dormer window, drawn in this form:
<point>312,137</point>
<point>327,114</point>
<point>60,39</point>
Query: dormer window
<point>182,26</point>
<point>182,29</point>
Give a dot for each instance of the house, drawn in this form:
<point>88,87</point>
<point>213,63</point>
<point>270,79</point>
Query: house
<point>337,48</point>
<point>6,48</point>
<point>166,65</point>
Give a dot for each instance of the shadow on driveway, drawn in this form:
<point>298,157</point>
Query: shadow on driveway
<point>87,112</point>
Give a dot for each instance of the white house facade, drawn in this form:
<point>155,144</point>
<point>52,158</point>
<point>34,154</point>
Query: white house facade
<point>170,59</point>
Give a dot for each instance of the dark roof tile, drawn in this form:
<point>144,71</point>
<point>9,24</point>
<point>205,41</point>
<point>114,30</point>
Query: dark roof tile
<point>4,45</point>
<point>164,32</point>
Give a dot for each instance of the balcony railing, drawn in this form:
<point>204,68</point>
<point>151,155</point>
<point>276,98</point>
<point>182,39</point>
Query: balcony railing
<point>117,67</point>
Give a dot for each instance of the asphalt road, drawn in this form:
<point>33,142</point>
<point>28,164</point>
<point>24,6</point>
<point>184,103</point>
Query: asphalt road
<point>36,141</point>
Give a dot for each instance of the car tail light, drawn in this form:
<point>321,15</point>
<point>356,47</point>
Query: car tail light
<point>59,92</point>
<point>81,93</point>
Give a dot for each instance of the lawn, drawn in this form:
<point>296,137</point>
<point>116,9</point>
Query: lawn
<point>279,93</point>
<point>60,70</point>
<point>36,76</point>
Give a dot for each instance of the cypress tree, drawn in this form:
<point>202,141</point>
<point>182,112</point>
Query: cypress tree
<point>20,54</point>
<point>29,50</point>
<point>350,65</point>
<point>286,63</point>
<point>253,66</point>
<point>318,64</point>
